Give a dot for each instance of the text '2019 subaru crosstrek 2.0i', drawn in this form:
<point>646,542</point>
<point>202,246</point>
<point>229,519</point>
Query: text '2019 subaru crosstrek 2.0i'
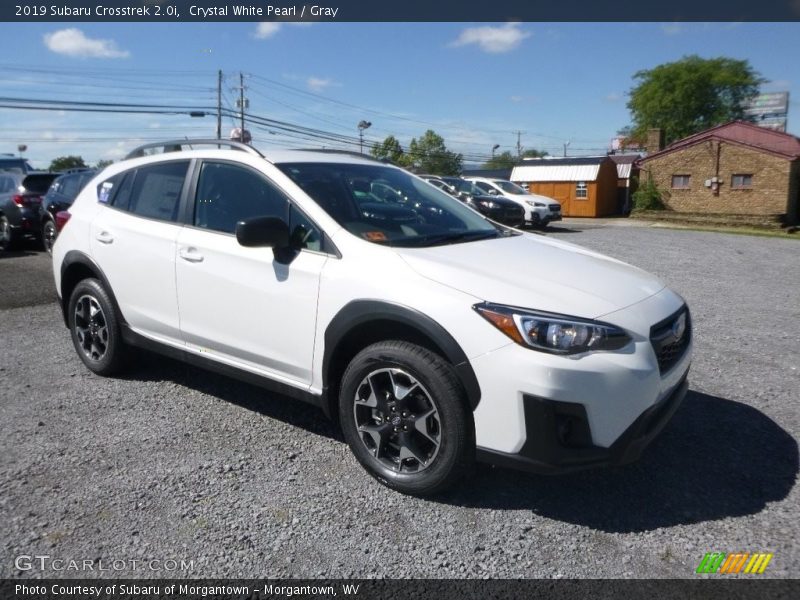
<point>432,335</point>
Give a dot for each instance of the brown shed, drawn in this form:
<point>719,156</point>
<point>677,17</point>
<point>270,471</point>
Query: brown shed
<point>586,186</point>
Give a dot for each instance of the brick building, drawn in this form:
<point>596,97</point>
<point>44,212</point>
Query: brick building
<point>736,168</point>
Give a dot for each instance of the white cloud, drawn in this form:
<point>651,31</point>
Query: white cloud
<point>317,83</point>
<point>266,30</point>
<point>492,39</point>
<point>672,28</point>
<point>613,97</point>
<point>73,42</point>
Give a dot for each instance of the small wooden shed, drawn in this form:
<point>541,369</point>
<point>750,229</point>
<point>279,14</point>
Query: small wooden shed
<point>586,186</point>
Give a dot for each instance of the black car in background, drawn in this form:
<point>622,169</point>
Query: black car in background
<point>20,199</point>
<point>13,164</point>
<point>497,208</point>
<point>60,196</point>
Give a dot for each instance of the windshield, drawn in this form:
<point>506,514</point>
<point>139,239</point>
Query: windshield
<point>389,206</point>
<point>15,165</point>
<point>507,186</point>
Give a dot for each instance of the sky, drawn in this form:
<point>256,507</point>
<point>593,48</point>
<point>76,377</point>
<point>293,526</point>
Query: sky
<point>474,84</point>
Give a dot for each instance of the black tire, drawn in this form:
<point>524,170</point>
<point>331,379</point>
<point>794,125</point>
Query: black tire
<point>95,328</point>
<point>437,388</point>
<point>49,235</point>
<point>9,240</point>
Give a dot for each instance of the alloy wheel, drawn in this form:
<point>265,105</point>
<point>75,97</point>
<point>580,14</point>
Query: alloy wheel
<point>91,328</point>
<point>397,420</point>
<point>49,236</point>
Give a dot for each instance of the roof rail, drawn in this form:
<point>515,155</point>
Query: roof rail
<point>177,146</point>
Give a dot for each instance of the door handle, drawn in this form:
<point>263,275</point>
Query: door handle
<point>104,237</point>
<point>190,254</point>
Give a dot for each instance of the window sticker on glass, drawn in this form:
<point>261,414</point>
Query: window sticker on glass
<point>375,236</point>
<point>104,193</point>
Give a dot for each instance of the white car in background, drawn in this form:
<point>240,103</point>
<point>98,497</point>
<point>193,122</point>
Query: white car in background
<point>432,335</point>
<point>539,210</point>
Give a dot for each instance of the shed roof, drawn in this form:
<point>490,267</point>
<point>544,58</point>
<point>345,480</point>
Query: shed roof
<point>744,134</point>
<point>571,168</point>
<point>624,164</point>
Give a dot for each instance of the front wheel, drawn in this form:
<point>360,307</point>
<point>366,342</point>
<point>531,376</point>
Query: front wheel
<point>405,417</point>
<point>8,238</point>
<point>95,328</point>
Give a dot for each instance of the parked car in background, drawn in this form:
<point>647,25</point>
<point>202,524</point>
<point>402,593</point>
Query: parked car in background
<point>20,198</point>
<point>439,183</point>
<point>539,210</point>
<point>60,196</point>
<point>496,208</point>
<point>14,164</point>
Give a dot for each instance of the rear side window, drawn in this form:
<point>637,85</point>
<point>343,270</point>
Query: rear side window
<point>69,185</point>
<point>152,191</point>
<point>227,194</point>
<point>6,185</point>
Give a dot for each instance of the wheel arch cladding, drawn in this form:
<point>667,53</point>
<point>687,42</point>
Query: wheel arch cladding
<point>364,322</point>
<point>76,267</point>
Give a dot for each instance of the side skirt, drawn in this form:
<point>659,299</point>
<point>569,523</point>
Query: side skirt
<point>278,387</point>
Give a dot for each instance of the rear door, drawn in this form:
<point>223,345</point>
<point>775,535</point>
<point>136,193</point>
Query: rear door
<point>133,240</point>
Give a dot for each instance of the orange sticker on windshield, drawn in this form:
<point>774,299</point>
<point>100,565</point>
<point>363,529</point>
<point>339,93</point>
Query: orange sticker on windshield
<point>375,236</point>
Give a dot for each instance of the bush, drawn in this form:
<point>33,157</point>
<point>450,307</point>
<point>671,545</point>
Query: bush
<point>648,197</point>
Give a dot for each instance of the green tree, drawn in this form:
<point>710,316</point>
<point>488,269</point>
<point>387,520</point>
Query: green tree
<point>504,160</point>
<point>62,163</point>
<point>429,154</point>
<point>534,153</point>
<point>102,164</point>
<point>691,95</point>
<point>389,149</point>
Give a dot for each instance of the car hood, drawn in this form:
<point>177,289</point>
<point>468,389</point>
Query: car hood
<point>535,272</point>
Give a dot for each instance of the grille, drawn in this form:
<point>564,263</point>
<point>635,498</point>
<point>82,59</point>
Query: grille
<point>555,207</point>
<point>669,343</point>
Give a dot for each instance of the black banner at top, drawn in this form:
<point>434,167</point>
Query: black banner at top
<point>398,10</point>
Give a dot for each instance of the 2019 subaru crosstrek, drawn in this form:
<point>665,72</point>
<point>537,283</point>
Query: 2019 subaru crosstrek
<point>429,333</point>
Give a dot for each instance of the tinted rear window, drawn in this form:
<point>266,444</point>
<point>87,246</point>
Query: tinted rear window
<point>38,184</point>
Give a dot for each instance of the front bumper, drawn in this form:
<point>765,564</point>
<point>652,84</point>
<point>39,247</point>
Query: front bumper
<point>559,440</point>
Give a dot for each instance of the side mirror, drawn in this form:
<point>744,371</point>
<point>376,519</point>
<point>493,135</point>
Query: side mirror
<point>260,232</point>
<point>493,192</point>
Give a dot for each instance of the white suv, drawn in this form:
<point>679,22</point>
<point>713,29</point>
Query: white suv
<point>428,332</point>
<point>539,210</point>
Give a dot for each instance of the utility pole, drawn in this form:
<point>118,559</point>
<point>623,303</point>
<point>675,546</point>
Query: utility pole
<point>566,145</point>
<point>219,104</point>
<point>519,145</point>
<point>241,99</point>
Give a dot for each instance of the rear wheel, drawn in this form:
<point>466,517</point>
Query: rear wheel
<point>95,328</point>
<point>49,235</point>
<point>404,415</point>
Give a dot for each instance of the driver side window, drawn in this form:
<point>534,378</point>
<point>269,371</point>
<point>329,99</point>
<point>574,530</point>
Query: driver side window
<point>228,193</point>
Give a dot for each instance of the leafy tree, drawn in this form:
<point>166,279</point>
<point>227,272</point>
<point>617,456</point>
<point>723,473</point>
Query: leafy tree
<point>430,155</point>
<point>691,95</point>
<point>62,163</point>
<point>504,160</point>
<point>389,149</point>
<point>534,153</point>
<point>102,164</point>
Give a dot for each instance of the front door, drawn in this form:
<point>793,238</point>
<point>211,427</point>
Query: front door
<point>242,305</point>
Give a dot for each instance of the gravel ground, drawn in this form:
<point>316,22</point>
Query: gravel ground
<point>175,463</point>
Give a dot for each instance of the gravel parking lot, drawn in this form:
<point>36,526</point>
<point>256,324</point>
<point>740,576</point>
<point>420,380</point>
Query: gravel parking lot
<point>172,462</point>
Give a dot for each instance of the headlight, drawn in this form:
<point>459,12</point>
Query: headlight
<point>536,204</point>
<point>487,203</point>
<point>550,332</point>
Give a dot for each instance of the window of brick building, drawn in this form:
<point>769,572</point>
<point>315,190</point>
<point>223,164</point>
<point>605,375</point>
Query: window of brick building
<point>741,182</point>
<point>681,182</point>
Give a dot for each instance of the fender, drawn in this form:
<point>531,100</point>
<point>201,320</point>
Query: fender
<point>359,312</point>
<point>74,257</point>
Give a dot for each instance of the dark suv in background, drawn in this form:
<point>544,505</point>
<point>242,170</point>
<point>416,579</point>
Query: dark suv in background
<point>20,199</point>
<point>60,196</point>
